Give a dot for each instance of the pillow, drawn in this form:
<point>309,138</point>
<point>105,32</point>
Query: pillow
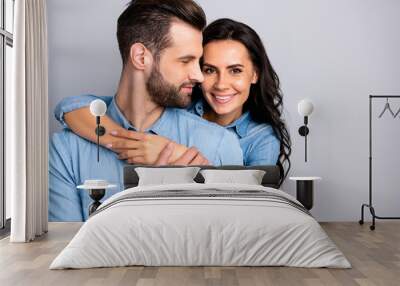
<point>249,177</point>
<point>165,176</point>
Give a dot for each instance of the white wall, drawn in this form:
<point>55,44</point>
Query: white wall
<point>335,53</point>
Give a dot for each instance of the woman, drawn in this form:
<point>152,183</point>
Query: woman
<point>240,92</point>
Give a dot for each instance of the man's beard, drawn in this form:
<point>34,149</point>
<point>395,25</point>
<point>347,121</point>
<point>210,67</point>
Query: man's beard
<point>164,93</point>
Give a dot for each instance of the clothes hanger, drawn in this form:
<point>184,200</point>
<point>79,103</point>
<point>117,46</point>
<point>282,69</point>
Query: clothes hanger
<point>387,107</point>
<point>397,113</point>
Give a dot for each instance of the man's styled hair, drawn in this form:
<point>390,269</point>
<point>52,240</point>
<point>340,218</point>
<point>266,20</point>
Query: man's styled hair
<point>148,22</point>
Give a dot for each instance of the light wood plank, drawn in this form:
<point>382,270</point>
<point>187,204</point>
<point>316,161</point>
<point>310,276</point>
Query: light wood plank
<point>374,255</point>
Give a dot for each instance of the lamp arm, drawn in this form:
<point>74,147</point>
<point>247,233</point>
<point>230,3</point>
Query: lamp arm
<point>98,138</point>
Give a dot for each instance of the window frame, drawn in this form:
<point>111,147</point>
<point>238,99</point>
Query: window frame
<point>6,39</point>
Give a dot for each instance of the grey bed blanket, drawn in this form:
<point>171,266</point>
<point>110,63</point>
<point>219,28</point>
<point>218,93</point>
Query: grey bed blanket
<point>201,225</point>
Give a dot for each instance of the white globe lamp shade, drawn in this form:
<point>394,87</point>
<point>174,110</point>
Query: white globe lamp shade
<point>305,107</point>
<point>98,107</point>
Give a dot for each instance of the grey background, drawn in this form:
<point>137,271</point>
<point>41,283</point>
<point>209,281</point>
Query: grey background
<point>335,53</point>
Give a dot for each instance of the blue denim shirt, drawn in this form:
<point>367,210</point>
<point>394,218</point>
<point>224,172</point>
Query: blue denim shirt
<point>258,141</point>
<point>72,159</point>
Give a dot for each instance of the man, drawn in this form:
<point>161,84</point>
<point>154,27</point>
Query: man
<point>160,43</point>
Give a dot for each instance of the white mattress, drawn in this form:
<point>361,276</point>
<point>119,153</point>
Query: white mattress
<point>203,231</point>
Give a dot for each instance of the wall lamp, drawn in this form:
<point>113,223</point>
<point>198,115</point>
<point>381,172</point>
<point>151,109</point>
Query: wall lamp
<point>305,108</point>
<point>98,108</point>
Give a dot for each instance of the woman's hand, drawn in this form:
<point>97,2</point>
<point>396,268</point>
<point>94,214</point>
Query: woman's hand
<point>137,147</point>
<point>144,148</point>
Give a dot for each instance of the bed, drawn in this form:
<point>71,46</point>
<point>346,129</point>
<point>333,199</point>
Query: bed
<point>201,224</point>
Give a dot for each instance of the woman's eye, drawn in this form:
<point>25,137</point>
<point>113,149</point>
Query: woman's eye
<point>236,71</point>
<point>208,70</point>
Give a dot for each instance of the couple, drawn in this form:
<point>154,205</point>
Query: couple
<point>233,118</point>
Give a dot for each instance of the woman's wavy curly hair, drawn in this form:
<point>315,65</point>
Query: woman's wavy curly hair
<point>265,101</point>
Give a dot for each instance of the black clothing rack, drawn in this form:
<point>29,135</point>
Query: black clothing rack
<point>369,205</point>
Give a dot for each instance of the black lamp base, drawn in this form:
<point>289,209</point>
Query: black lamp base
<point>100,130</point>
<point>303,130</point>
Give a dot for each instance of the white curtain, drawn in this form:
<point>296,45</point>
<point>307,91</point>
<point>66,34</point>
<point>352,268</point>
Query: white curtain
<point>27,123</point>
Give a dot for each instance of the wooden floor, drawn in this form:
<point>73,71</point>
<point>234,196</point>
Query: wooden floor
<point>374,255</point>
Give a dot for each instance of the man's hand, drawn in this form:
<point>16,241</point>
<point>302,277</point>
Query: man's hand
<point>190,158</point>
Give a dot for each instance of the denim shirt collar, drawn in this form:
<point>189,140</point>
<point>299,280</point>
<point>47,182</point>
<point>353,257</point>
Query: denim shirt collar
<point>240,125</point>
<point>115,113</point>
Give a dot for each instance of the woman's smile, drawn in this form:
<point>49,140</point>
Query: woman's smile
<point>223,98</point>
